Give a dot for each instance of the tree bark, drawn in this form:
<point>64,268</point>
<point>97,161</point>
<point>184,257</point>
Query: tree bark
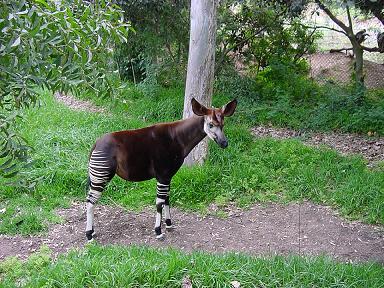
<point>201,66</point>
<point>359,73</point>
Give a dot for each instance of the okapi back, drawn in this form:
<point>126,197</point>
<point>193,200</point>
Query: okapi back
<point>142,154</point>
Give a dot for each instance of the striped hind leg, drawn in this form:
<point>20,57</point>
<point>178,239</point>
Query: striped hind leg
<point>100,171</point>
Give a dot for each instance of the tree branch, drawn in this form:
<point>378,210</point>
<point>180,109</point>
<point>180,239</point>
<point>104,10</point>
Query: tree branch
<point>349,18</point>
<point>325,27</point>
<point>339,50</point>
<point>371,49</point>
<point>333,17</point>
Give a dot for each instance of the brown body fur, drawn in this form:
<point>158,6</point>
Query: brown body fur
<point>156,151</point>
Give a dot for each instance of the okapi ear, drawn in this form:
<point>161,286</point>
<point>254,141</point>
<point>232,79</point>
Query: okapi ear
<point>229,108</point>
<point>198,109</point>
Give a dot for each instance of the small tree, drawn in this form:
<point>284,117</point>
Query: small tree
<point>258,32</point>
<point>59,45</point>
<point>347,30</point>
<point>160,45</point>
<point>201,63</point>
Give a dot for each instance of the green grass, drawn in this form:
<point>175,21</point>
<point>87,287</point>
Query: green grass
<point>115,266</point>
<point>248,171</point>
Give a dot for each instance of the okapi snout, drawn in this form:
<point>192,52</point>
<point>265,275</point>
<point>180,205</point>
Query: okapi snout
<point>223,143</point>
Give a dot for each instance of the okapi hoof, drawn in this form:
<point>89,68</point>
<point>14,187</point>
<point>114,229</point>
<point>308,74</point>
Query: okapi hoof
<point>170,228</point>
<point>90,241</point>
<point>168,224</point>
<point>90,234</point>
<point>160,237</point>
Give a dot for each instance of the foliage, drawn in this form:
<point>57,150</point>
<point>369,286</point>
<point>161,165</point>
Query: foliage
<point>278,78</point>
<point>62,46</point>
<point>135,266</point>
<point>374,7</point>
<point>161,39</point>
<point>256,32</point>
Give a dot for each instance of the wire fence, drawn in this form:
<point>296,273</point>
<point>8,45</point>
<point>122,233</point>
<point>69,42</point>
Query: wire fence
<point>337,67</point>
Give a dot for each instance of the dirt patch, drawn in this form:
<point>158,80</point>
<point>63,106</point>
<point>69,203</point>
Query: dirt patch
<point>372,148</point>
<point>77,104</point>
<point>261,230</point>
<point>338,67</point>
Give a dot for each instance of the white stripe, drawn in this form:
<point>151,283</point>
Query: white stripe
<point>98,167</point>
<point>98,173</point>
<point>162,193</point>
<point>97,161</point>
<point>98,180</point>
<point>99,156</point>
<point>163,185</point>
<point>94,193</point>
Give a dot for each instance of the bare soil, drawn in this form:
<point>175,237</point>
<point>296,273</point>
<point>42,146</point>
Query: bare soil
<point>338,67</point>
<point>371,148</point>
<point>262,230</point>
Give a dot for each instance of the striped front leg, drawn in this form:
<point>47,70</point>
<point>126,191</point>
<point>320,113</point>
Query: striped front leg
<point>162,200</point>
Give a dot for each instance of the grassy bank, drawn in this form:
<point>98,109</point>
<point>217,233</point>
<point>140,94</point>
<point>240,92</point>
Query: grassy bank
<point>248,171</point>
<point>114,266</point>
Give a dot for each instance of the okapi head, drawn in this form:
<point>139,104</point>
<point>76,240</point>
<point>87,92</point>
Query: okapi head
<point>214,120</point>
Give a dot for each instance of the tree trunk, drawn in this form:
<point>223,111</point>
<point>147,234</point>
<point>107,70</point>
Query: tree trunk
<point>359,73</point>
<point>201,66</point>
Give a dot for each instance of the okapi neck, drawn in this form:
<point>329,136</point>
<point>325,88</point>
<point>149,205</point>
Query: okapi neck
<point>190,132</point>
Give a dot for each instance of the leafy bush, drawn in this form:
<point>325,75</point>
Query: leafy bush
<point>286,78</point>
<point>62,46</point>
<point>257,33</point>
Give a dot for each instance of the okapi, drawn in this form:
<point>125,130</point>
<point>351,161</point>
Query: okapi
<point>156,151</point>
